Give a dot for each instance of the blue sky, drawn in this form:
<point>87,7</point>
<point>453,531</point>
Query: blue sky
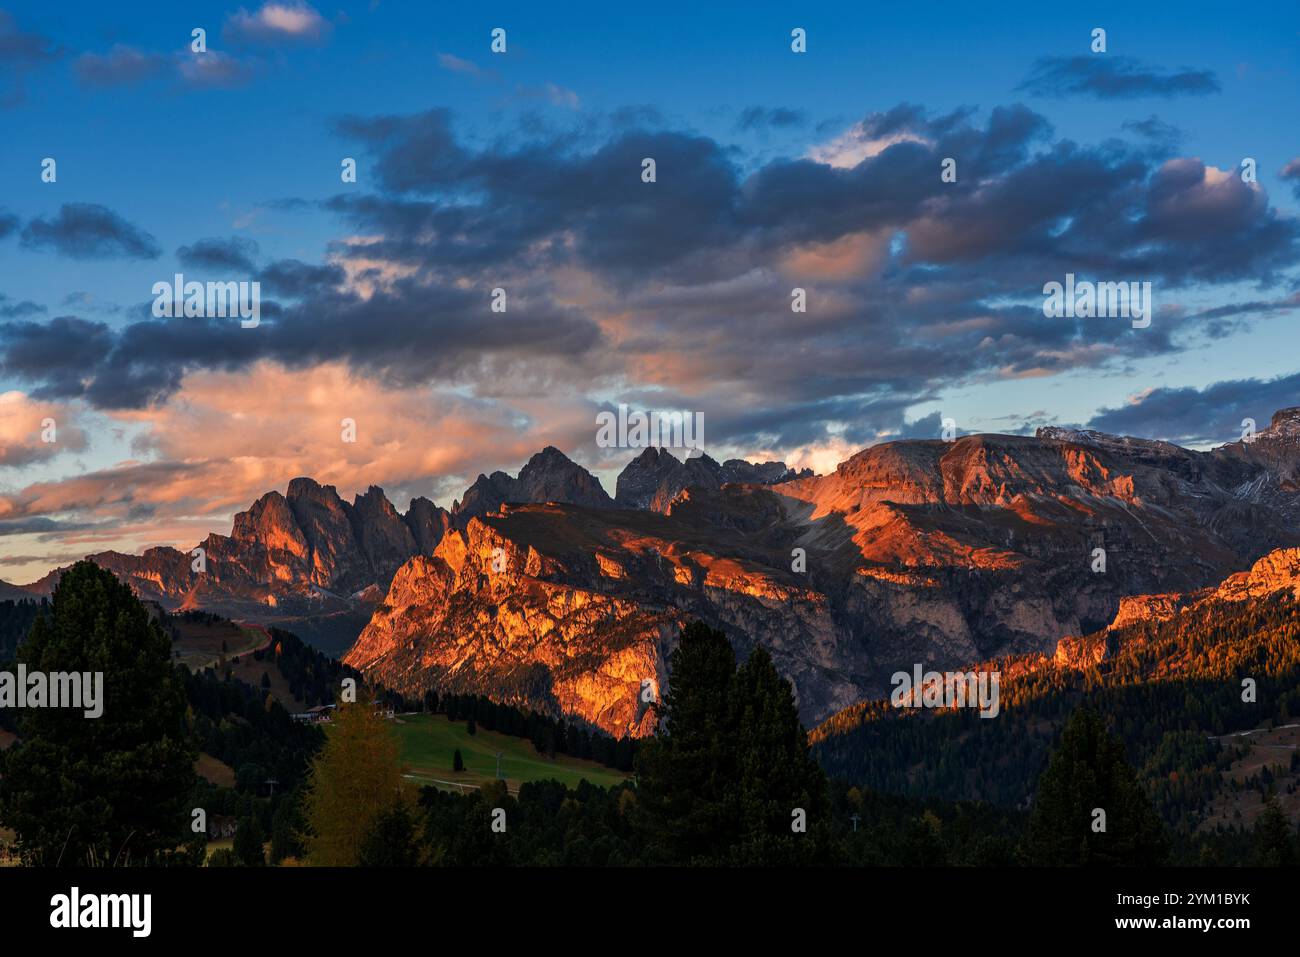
<point>472,168</point>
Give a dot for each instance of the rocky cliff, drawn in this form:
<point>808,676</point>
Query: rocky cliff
<point>549,476</point>
<point>940,553</point>
<point>574,610</point>
<point>310,561</point>
<point>654,478</point>
<point>542,590</point>
<point>305,560</point>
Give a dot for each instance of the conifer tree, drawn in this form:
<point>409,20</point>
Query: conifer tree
<point>108,790</point>
<point>728,778</point>
<point>1088,774</point>
<point>1274,846</point>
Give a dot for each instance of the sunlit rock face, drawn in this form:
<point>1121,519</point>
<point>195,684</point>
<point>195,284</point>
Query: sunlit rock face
<point>934,552</point>
<point>306,560</point>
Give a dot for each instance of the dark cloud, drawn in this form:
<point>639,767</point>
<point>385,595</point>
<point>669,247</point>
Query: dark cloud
<point>1164,135</point>
<point>681,288</point>
<point>774,117</point>
<point>51,353</point>
<point>27,526</point>
<point>1253,307</point>
<point>538,190</point>
<point>236,254</point>
<point>21,52</point>
<point>416,152</point>
<point>1210,415</point>
<point>1110,77</point>
<point>926,427</point>
<point>18,310</point>
<point>8,223</point>
<point>295,280</point>
<point>120,66</point>
<point>409,334</point>
<point>89,231</point>
<point>18,48</point>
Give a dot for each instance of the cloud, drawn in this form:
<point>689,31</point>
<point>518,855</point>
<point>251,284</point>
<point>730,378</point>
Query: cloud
<point>455,64</point>
<point>120,66</point>
<point>1110,77</point>
<point>18,310</point>
<point>679,291</point>
<point>20,53</point>
<point>1191,416</point>
<point>411,333</point>
<point>861,142</point>
<point>229,255</point>
<point>277,22</point>
<point>773,117</point>
<point>1163,135</point>
<point>213,70</point>
<point>296,280</point>
<point>1290,172</point>
<point>89,231</point>
<point>230,437</point>
<point>24,49</point>
<point>553,93</point>
<point>25,426</point>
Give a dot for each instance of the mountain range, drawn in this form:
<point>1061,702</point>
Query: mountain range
<point>542,590</point>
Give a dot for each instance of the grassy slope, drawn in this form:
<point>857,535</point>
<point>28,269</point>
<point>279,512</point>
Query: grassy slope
<point>199,644</point>
<point>428,741</point>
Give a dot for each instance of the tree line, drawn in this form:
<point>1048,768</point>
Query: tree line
<point>727,779</point>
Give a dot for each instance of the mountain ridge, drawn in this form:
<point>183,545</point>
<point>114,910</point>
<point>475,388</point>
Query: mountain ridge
<point>914,550</point>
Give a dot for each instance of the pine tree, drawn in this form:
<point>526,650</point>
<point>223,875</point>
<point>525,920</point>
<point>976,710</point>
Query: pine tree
<point>112,789</point>
<point>286,825</point>
<point>248,842</point>
<point>1089,773</point>
<point>457,762</point>
<point>685,775</point>
<point>729,774</point>
<point>1274,846</point>
<point>390,840</point>
<point>776,774</point>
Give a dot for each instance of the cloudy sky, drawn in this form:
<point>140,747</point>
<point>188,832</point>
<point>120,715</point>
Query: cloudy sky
<point>523,170</point>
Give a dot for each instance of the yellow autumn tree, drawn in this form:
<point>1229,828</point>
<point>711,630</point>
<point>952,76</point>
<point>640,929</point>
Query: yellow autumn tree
<point>356,776</point>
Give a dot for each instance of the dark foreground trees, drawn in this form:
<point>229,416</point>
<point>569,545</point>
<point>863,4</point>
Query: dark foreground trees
<point>107,790</point>
<point>1090,808</point>
<point>728,778</point>
<point>1274,843</point>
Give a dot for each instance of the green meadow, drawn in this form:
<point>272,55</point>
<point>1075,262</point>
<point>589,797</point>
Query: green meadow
<point>428,742</point>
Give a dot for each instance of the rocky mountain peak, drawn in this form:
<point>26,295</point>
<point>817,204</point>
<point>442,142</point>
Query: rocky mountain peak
<point>373,504</point>
<point>549,476</point>
<point>270,522</point>
<point>654,478</point>
<point>382,536</point>
<point>1284,425</point>
<point>428,524</point>
<point>306,488</point>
